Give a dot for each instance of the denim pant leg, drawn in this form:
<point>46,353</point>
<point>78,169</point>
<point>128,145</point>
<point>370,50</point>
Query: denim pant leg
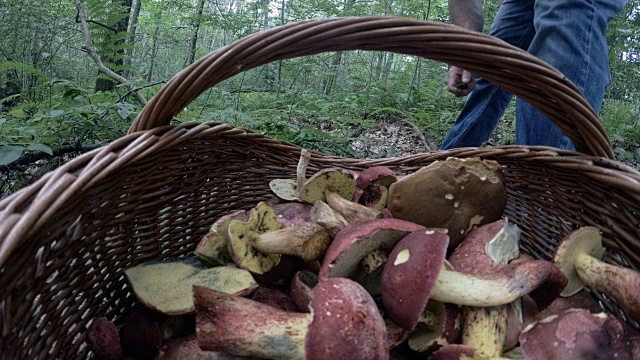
<point>571,36</point>
<point>486,104</point>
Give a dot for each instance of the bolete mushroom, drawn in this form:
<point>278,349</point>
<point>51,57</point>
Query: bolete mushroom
<point>421,253</point>
<point>212,249</point>
<point>292,213</point>
<point>357,240</point>
<point>350,210</point>
<point>289,189</point>
<point>344,320</point>
<point>456,194</point>
<point>579,255</point>
<point>373,186</point>
<point>439,326</point>
<point>165,286</point>
<point>301,291</point>
<point>186,348</point>
<point>335,180</point>
<point>256,244</point>
<point>483,252</point>
<point>321,213</point>
<point>577,334</point>
<point>103,339</point>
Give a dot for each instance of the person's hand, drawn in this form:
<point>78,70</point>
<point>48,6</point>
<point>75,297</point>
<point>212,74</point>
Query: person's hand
<point>461,82</point>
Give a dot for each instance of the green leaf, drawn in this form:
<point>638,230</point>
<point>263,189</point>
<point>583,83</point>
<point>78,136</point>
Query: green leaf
<point>56,113</point>
<point>18,113</point>
<point>2,121</point>
<point>124,110</point>
<point>10,98</point>
<point>9,154</point>
<point>40,147</point>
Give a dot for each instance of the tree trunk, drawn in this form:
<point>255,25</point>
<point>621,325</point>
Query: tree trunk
<point>387,68</point>
<point>132,33</point>
<point>194,37</point>
<point>280,61</point>
<point>154,52</point>
<point>104,84</point>
<point>335,67</point>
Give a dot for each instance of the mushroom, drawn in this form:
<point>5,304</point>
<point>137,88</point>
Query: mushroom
<point>165,286</point>
<point>335,180</point>
<point>456,194</point>
<point>350,210</point>
<point>302,289</point>
<point>256,244</point>
<point>212,249</point>
<point>344,320</point>
<point>579,255</point>
<point>438,326</point>
<point>375,196</point>
<point>103,339</point>
<point>351,245</point>
<point>289,189</point>
<point>186,348</point>
<point>579,300</point>
<point>422,254</point>
<point>577,334</point>
<point>484,251</point>
<point>140,335</point>
<point>373,186</point>
<point>292,213</point>
<point>321,213</point>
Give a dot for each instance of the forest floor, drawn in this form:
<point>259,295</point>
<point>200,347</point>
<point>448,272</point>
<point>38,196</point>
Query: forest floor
<point>405,140</point>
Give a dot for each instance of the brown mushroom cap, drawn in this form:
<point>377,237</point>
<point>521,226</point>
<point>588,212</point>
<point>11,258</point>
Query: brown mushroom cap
<point>456,194</point>
<point>586,240</point>
<point>576,334</point>
<point>356,240</point>
<point>346,322</point>
<point>419,256</point>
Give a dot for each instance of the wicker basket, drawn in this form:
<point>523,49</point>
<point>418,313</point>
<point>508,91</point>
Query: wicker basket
<point>153,193</point>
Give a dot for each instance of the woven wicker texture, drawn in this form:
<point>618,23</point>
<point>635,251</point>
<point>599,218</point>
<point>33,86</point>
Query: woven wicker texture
<point>153,193</point>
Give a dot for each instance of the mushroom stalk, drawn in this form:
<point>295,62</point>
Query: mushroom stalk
<point>305,156</point>
<point>485,329</point>
<point>611,280</point>
<point>271,333</point>
<point>502,288</point>
<point>323,214</point>
<point>351,211</point>
<point>308,241</point>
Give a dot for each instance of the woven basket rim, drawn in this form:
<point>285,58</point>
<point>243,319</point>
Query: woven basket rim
<point>41,199</point>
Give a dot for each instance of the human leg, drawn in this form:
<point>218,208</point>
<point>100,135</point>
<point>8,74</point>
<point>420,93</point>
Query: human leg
<point>570,35</point>
<point>486,104</point>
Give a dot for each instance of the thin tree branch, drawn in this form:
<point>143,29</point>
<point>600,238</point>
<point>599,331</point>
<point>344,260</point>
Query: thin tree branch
<point>140,88</point>
<point>96,58</point>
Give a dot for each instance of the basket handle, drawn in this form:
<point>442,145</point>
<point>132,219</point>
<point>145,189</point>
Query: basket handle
<point>508,67</point>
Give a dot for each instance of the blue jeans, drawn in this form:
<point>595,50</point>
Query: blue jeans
<point>570,35</point>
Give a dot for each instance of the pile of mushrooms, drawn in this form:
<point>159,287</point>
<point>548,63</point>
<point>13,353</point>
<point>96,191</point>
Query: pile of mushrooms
<point>376,265</point>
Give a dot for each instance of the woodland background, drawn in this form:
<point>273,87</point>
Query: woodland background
<point>55,103</point>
